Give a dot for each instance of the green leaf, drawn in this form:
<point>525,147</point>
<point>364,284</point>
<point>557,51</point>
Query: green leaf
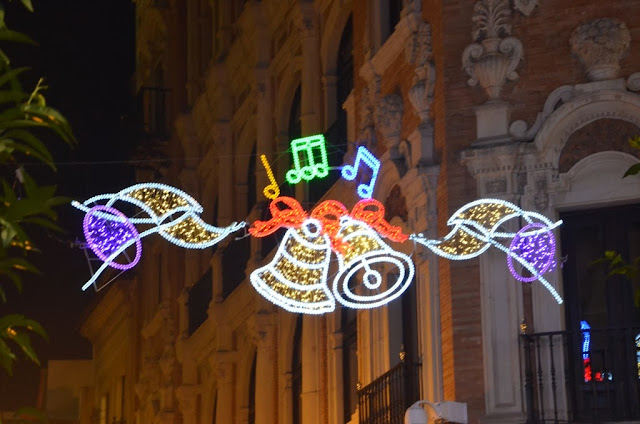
<point>634,142</point>
<point>633,170</point>
<point>7,357</point>
<point>16,37</point>
<point>27,4</point>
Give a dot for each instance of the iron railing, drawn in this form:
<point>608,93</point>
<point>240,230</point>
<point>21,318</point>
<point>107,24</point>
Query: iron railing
<point>584,376</point>
<point>385,400</point>
<point>198,300</point>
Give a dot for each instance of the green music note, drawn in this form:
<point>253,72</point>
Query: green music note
<point>312,165</point>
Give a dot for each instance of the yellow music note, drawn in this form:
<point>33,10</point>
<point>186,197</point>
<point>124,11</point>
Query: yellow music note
<point>272,190</point>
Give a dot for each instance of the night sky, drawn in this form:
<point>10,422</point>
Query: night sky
<point>86,55</point>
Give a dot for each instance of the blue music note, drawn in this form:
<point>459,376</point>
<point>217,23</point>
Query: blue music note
<point>349,172</point>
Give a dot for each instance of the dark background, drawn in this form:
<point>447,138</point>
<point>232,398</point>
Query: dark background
<point>86,55</point>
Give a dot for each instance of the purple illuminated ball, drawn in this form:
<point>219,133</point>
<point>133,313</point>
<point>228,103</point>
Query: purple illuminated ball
<point>536,249</point>
<point>106,229</point>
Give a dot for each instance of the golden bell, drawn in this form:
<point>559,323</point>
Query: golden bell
<point>363,260</point>
<point>296,278</point>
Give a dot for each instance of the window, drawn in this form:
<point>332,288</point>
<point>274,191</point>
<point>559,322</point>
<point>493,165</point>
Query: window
<point>603,310</point>
<point>294,131</point>
<point>336,135</point>
<point>251,180</point>
<point>296,373</point>
<point>349,321</point>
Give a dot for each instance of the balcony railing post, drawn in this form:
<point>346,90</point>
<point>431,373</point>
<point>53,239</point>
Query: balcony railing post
<point>528,379</point>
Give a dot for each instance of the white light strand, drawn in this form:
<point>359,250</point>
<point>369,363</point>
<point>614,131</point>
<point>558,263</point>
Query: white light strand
<point>478,237</point>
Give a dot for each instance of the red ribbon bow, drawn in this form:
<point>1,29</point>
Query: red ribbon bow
<point>329,212</point>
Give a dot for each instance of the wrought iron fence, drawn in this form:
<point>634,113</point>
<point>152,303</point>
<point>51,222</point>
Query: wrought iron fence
<point>385,400</point>
<point>585,376</point>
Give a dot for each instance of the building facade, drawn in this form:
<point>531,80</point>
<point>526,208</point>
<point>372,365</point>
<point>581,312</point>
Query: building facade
<point>532,102</point>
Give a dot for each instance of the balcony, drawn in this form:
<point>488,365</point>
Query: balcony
<point>591,375</point>
<point>385,400</point>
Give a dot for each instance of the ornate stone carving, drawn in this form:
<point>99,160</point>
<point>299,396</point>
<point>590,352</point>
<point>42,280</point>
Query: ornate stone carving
<point>492,58</point>
<point>600,45</point>
<point>418,48</point>
<point>525,6</point>
<point>421,92</point>
<point>389,118</point>
<point>496,186</point>
<point>418,52</point>
<point>541,198</point>
<point>633,82</point>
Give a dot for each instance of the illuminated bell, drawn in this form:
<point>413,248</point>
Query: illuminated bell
<point>296,278</point>
<point>364,257</point>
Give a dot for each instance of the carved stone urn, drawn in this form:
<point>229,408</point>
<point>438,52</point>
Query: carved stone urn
<point>492,59</point>
<point>600,45</point>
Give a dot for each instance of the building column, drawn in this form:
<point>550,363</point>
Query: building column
<point>188,399</point>
<point>266,367</point>
<point>311,378</point>
<point>222,362</point>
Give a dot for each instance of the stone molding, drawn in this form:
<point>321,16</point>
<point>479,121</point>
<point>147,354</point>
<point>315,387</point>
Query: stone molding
<point>492,58</point>
<point>600,45</point>
<point>518,129</point>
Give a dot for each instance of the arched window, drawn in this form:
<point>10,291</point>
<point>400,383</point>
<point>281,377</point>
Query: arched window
<point>336,135</point>
<point>251,180</point>
<point>294,131</point>
<point>296,373</point>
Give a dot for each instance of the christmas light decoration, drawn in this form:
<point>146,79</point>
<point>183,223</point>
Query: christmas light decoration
<point>328,213</point>
<point>363,250</point>
<point>166,210</point>
<point>106,236</point>
<point>272,190</point>
<point>638,352</point>
<point>478,226</point>
<point>296,278</point>
<point>349,172</point>
<point>538,250</point>
<point>586,359</point>
<point>314,163</point>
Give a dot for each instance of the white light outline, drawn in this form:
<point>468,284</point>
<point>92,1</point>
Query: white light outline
<point>348,269</point>
<point>476,230</point>
<point>289,304</point>
<point>191,210</point>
